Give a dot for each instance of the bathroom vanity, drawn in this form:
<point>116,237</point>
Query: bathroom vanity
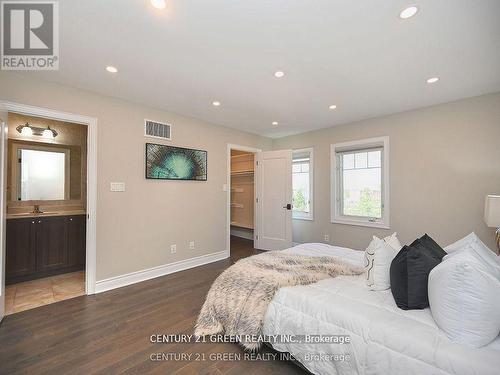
<point>46,244</point>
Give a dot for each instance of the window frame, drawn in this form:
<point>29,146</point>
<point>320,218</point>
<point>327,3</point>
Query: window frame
<point>298,215</point>
<point>336,215</point>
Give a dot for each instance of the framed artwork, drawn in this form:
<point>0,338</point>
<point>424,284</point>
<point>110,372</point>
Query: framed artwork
<point>175,163</point>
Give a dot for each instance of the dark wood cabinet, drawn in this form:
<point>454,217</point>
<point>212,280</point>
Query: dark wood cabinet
<point>21,260</point>
<point>76,240</point>
<point>44,246</point>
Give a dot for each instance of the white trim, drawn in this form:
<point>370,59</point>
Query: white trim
<point>3,208</point>
<point>310,215</point>
<point>151,273</point>
<point>91,123</point>
<point>335,217</point>
<point>230,147</point>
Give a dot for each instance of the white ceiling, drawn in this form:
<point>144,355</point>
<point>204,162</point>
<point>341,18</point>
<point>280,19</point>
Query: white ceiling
<point>357,54</point>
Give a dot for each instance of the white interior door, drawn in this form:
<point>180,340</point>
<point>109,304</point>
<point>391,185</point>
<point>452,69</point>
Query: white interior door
<point>3,181</point>
<point>274,200</point>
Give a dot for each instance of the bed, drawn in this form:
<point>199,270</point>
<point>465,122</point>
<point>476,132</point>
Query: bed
<point>384,338</point>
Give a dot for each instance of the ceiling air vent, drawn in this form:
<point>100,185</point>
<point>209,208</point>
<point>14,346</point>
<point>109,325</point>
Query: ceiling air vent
<point>155,129</point>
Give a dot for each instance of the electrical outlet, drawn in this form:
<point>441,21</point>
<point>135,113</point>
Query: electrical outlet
<point>173,249</point>
<point>327,238</point>
<point>191,245</point>
<point>117,186</point>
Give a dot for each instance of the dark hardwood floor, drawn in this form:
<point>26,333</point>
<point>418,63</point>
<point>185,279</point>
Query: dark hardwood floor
<point>110,332</point>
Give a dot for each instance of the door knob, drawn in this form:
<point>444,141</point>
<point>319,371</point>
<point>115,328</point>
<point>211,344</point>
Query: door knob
<point>288,206</point>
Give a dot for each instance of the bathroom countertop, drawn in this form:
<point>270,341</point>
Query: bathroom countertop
<point>45,214</point>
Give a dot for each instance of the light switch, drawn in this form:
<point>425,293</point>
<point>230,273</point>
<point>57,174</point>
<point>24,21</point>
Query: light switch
<point>224,187</point>
<point>117,186</point>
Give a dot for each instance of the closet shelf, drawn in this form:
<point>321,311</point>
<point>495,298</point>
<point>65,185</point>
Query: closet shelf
<point>242,173</point>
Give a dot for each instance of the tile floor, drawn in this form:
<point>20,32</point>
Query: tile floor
<point>31,294</point>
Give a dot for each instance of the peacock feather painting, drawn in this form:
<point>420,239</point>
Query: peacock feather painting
<point>175,163</point>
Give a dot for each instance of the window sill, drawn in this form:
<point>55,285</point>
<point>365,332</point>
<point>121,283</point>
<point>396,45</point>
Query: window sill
<point>360,223</point>
<point>302,218</point>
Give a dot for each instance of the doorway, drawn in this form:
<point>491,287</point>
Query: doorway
<point>241,184</point>
<point>46,208</point>
<point>270,183</point>
<point>51,224</point>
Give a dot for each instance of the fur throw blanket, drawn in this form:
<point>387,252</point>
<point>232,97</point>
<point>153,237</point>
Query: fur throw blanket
<point>238,299</point>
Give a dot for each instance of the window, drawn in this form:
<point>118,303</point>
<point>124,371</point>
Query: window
<point>360,182</point>
<point>302,184</point>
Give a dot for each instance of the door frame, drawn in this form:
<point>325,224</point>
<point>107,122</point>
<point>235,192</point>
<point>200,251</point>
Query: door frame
<point>91,123</point>
<point>3,173</point>
<point>231,146</point>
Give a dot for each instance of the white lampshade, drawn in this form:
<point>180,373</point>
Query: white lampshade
<point>492,211</point>
<point>26,130</point>
<point>47,133</point>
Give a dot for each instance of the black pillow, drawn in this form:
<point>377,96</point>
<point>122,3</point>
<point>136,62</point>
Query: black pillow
<point>410,270</point>
<point>429,243</point>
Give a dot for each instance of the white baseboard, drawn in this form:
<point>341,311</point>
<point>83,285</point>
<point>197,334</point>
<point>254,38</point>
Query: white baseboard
<point>151,273</point>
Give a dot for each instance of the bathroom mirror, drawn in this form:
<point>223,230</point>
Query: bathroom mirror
<point>41,173</point>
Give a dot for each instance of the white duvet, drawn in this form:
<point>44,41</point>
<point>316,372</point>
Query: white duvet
<point>384,339</point>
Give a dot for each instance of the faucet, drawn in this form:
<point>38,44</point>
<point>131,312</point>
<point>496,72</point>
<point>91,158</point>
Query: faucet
<point>36,209</point>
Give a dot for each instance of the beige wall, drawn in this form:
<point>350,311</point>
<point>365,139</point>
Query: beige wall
<point>135,229</point>
<point>443,161</point>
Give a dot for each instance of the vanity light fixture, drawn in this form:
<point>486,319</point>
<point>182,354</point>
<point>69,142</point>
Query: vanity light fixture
<point>28,130</point>
<point>25,130</point>
<point>49,133</point>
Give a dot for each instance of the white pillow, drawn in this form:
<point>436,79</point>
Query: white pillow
<point>378,257</point>
<point>393,241</point>
<point>461,243</point>
<point>464,298</point>
<point>472,242</point>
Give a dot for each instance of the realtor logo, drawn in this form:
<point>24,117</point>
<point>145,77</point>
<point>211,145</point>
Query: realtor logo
<point>30,35</point>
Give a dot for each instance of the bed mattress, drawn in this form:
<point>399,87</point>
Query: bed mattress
<point>383,338</point>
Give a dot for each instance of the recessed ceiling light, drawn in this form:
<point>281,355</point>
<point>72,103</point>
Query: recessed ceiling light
<point>275,123</point>
<point>159,4</point>
<point>333,106</point>
<point>408,12</point>
<point>216,103</point>
<point>111,69</point>
<point>433,80</point>
<point>279,74</point>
